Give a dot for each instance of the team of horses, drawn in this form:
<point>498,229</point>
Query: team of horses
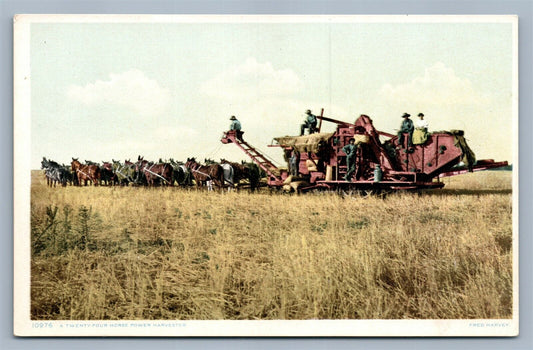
<point>55,173</point>
<point>223,175</point>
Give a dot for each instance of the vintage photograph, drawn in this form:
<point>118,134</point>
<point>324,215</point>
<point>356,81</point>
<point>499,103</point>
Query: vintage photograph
<point>223,175</point>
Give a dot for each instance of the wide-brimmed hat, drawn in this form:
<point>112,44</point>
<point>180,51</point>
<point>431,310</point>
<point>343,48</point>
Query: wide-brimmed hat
<point>406,115</point>
<point>420,114</point>
<point>232,118</point>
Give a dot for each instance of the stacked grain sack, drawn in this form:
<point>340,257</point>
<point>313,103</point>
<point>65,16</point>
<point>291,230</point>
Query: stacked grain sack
<point>293,183</point>
<point>302,144</point>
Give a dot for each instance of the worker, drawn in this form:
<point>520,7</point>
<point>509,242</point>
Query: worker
<point>235,124</point>
<point>406,127</point>
<point>420,134</point>
<point>351,157</point>
<point>309,123</point>
<point>294,162</point>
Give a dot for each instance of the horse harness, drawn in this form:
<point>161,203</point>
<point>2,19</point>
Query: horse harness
<point>118,170</point>
<point>198,171</point>
<point>81,171</point>
<point>151,172</point>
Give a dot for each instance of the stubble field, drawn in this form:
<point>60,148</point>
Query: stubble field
<point>111,253</point>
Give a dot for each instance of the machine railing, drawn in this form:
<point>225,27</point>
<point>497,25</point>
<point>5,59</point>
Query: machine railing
<point>233,136</point>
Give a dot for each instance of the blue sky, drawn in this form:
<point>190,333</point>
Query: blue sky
<point>162,89</point>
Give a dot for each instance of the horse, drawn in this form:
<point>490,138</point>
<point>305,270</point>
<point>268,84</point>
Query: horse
<point>85,172</point>
<point>67,173</point>
<point>124,173</point>
<point>229,176</point>
<point>181,174</point>
<point>255,173</point>
<point>244,172</point>
<point>206,173</point>
<point>107,176</point>
<point>54,173</point>
<point>154,172</point>
<point>48,172</point>
<point>137,177</point>
<point>229,173</point>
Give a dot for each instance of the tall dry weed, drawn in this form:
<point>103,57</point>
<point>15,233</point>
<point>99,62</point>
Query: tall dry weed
<point>169,253</point>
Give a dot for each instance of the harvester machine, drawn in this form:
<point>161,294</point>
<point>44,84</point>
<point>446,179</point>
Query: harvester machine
<point>317,161</point>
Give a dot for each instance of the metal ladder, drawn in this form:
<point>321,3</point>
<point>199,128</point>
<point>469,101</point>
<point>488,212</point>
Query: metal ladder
<point>255,155</point>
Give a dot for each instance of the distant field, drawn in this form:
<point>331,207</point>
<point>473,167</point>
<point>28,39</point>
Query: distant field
<point>111,253</point>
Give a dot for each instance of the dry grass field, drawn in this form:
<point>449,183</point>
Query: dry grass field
<point>111,253</point>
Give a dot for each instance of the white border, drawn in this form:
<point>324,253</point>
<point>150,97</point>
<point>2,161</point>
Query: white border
<point>96,18</point>
<point>516,169</point>
<point>21,175</point>
<point>23,326</point>
<point>297,328</point>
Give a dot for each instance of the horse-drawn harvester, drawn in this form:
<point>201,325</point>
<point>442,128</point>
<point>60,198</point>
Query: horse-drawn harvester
<point>382,163</point>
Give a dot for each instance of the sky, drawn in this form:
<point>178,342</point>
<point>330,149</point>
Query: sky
<point>104,90</point>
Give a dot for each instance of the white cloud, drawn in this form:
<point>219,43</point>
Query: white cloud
<point>131,89</point>
<point>252,79</point>
<point>439,87</point>
<point>449,101</point>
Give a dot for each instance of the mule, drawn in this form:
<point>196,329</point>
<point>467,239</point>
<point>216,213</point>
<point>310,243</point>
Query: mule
<point>67,173</point>
<point>124,173</point>
<point>107,176</point>
<point>229,176</point>
<point>54,173</point>
<point>248,172</point>
<point>85,172</point>
<point>154,173</point>
<point>206,173</point>
<point>181,174</point>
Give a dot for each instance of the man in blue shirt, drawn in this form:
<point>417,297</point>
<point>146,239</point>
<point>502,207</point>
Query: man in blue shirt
<point>309,123</point>
<point>407,127</point>
<point>351,157</point>
<point>235,124</point>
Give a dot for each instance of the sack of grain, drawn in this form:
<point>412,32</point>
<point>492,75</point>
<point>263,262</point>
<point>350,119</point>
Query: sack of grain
<point>311,166</point>
<point>288,180</point>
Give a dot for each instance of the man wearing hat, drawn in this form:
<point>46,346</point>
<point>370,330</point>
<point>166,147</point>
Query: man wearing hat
<point>406,127</point>
<point>420,134</point>
<point>309,123</point>
<point>351,157</point>
<point>235,124</point>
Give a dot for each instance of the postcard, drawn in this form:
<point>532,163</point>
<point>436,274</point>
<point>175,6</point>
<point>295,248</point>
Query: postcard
<point>266,175</point>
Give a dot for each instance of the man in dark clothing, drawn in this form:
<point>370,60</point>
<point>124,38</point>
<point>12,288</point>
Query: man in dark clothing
<point>294,162</point>
<point>309,123</point>
<point>351,157</point>
<point>407,127</point>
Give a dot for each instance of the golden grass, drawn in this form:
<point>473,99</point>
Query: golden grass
<point>138,253</point>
